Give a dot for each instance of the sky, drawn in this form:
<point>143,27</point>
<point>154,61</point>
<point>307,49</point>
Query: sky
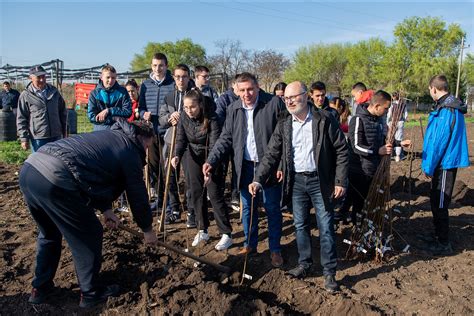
<point>90,33</point>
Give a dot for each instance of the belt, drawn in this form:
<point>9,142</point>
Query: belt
<point>308,173</point>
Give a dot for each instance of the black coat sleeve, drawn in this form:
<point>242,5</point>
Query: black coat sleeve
<point>181,139</point>
<point>223,144</point>
<point>136,191</point>
<point>341,150</point>
<point>273,155</point>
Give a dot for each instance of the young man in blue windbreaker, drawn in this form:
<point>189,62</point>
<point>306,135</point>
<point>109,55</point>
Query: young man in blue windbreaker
<point>444,151</point>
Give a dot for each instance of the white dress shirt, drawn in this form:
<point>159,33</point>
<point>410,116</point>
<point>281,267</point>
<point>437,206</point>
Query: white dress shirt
<point>302,144</point>
<point>250,150</point>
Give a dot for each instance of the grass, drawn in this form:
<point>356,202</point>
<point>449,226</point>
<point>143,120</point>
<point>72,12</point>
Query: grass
<point>415,121</point>
<point>11,153</point>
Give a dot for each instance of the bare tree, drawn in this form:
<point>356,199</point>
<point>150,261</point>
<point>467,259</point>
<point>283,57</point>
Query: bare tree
<point>269,66</point>
<point>230,58</point>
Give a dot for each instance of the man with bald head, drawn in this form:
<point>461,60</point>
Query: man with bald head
<point>314,155</point>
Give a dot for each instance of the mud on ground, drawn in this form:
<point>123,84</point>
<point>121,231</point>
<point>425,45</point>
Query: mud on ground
<point>157,281</point>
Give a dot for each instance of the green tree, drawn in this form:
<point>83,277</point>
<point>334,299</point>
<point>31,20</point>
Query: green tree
<point>423,47</point>
<point>365,61</point>
<point>182,51</point>
<point>468,67</point>
<point>322,62</point>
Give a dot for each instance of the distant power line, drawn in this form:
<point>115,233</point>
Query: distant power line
<point>335,21</point>
<point>292,18</point>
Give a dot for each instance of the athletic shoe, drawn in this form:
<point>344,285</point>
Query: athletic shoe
<point>235,205</point>
<point>40,296</point>
<point>200,236</point>
<point>224,243</point>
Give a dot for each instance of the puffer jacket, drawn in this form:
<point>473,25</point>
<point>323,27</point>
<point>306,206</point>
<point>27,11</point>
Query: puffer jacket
<point>153,93</point>
<point>39,118</point>
<point>445,144</point>
<point>115,99</point>
<point>330,154</point>
<point>104,164</point>
<point>366,136</point>
<point>190,135</point>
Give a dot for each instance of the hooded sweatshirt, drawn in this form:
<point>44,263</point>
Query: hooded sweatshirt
<point>445,142</point>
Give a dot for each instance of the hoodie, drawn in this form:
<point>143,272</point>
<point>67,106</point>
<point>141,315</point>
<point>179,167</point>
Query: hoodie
<point>445,143</point>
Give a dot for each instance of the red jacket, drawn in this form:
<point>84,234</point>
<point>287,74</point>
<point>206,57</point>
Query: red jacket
<point>134,111</point>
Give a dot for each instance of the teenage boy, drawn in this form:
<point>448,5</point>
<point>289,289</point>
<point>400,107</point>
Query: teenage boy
<point>367,146</point>
<point>444,151</point>
<point>202,78</point>
<point>109,101</point>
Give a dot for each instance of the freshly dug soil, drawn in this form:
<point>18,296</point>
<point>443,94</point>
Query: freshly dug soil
<point>157,281</point>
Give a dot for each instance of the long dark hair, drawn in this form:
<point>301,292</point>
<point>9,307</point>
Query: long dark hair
<point>204,104</point>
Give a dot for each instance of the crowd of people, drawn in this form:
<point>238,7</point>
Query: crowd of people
<point>297,148</point>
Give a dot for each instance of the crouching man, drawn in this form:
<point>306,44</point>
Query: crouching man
<point>64,182</point>
<point>314,154</point>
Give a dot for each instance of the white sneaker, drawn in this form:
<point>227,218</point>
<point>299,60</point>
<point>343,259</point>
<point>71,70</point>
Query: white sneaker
<point>200,236</point>
<point>224,243</point>
<point>123,209</point>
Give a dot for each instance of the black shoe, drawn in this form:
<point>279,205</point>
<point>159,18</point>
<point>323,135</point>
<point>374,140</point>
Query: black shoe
<point>330,283</point>
<point>191,220</point>
<point>427,238</point>
<point>39,296</point>
<point>99,296</point>
<point>440,249</point>
<point>299,272</point>
<point>171,219</point>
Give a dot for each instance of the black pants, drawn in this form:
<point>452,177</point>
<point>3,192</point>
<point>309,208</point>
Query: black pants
<point>155,167</point>
<point>442,185</point>
<point>359,185</point>
<point>198,194</point>
<point>173,194</point>
<point>59,212</point>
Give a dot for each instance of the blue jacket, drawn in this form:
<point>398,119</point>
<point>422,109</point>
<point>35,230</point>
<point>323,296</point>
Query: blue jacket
<point>445,144</point>
<point>116,99</point>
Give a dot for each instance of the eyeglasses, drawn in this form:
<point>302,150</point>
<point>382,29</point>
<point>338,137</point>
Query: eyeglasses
<point>204,76</point>
<point>181,77</point>
<point>293,97</point>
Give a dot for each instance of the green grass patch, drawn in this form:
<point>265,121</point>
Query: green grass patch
<point>11,153</point>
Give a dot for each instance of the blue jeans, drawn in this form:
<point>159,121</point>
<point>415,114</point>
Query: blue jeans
<point>271,201</point>
<point>37,143</point>
<point>307,191</point>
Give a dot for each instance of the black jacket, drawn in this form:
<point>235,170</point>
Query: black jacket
<point>234,132</point>
<point>104,164</point>
<point>191,136</point>
<point>330,154</point>
<point>366,136</point>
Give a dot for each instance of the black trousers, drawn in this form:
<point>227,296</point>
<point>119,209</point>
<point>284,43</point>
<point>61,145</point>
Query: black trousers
<point>442,185</point>
<point>59,212</point>
<point>198,193</point>
<point>359,185</point>
<point>155,159</point>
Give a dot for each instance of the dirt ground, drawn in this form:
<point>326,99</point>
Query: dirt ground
<point>157,281</point>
